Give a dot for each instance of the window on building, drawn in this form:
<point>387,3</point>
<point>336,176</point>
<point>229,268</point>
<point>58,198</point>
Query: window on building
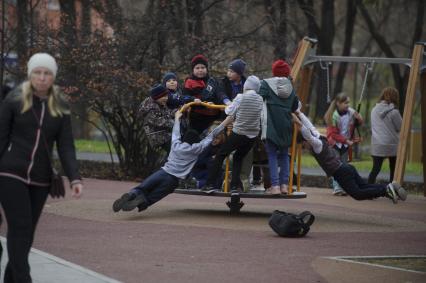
<point>53,5</point>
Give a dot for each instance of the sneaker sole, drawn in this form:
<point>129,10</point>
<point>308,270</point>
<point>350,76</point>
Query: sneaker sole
<point>394,196</point>
<point>118,204</point>
<point>402,193</point>
<point>129,206</point>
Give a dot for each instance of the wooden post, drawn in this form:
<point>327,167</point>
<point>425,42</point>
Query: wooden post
<point>304,86</point>
<point>408,113</point>
<point>305,46</point>
<point>423,111</point>
<point>295,70</point>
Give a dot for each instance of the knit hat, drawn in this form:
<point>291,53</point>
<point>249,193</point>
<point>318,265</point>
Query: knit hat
<point>158,91</point>
<point>280,68</point>
<point>42,60</point>
<point>199,59</point>
<point>253,83</point>
<point>238,66</point>
<point>169,76</point>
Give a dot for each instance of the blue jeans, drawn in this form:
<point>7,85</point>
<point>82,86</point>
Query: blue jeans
<point>277,157</point>
<point>156,186</point>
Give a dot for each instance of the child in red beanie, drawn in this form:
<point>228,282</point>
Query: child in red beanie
<point>280,101</point>
<point>201,86</point>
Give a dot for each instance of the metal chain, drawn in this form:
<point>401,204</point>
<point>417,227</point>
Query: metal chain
<point>368,68</point>
<point>327,68</point>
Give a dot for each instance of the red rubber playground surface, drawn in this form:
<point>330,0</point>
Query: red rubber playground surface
<point>186,238</point>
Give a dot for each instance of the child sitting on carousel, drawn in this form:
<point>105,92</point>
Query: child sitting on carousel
<point>157,117</point>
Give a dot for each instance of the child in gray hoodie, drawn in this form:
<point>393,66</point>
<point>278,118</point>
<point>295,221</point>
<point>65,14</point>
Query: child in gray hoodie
<point>182,158</point>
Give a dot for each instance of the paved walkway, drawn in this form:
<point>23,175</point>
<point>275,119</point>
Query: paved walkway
<point>186,239</point>
<point>46,268</point>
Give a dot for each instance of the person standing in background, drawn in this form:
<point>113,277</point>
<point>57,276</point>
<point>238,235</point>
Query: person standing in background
<point>385,126</point>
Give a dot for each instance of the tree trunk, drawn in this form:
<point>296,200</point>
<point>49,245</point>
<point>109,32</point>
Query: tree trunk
<point>195,24</point>
<point>325,47</point>
<point>349,29</point>
<point>21,30</point>
<point>385,47</point>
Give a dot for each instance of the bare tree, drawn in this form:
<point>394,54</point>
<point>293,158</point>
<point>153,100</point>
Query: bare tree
<point>277,21</point>
<point>382,42</point>
<point>325,35</point>
<point>351,9</point>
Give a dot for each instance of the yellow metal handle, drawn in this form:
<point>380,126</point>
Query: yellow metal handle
<point>205,104</point>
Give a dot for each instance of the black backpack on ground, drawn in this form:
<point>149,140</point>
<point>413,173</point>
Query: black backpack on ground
<point>291,225</point>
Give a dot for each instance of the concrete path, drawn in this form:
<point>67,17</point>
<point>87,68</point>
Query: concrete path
<point>46,268</point>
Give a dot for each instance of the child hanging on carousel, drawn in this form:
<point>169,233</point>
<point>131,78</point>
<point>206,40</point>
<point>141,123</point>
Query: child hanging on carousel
<point>344,174</point>
<point>182,157</point>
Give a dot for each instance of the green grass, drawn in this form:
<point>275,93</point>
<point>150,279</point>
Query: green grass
<point>308,161</point>
<point>92,146</point>
<point>365,165</point>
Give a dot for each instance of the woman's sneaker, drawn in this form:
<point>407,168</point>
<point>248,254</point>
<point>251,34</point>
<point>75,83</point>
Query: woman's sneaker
<point>391,193</point>
<point>119,203</point>
<point>400,191</point>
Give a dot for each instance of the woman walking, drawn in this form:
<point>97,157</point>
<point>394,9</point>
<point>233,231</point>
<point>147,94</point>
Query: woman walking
<point>32,118</point>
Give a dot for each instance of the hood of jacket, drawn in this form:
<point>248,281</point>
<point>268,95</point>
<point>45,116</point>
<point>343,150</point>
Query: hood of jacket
<point>281,86</point>
<point>384,108</point>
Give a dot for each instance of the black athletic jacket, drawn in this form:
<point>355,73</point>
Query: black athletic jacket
<point>23,153</point>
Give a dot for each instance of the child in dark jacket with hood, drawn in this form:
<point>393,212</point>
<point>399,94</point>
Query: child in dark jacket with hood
<point>280,101</point>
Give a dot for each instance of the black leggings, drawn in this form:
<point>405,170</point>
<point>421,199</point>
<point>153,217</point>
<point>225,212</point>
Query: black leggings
<point>242,145</point>
<point>377,166</point>
<point>22,205</point>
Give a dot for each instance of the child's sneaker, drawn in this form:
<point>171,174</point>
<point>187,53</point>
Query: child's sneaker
<point>208,189</point>
<point>391,193</point>
<point>119,203</point>
<point>274,190</point>
<point>338,191</point>
<point>400,191</point>
<point>284,189</point>
<point>132,204</point>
